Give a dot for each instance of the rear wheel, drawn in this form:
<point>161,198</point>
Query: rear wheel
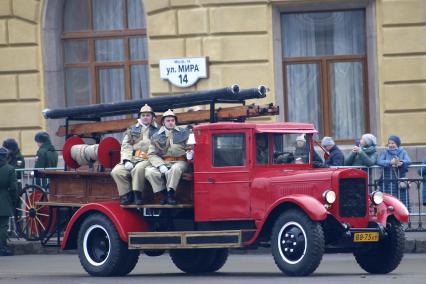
<point>100,249</point>
<point>199,260</point>
<point>31,219</point>
<point>297,243</point>
<point>387,255</point>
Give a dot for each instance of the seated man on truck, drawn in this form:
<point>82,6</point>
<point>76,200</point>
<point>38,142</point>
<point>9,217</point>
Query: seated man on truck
<point>129,174</point>
<point>168,157</point>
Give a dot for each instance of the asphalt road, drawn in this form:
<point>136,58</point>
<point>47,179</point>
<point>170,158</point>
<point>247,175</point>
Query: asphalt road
<point>340,268</point>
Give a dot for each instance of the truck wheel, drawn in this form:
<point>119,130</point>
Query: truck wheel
<point>199,260</point>
<point>386,255</point>
<point>100,249</point>
<point>297,243</point>
<point>153,253</point>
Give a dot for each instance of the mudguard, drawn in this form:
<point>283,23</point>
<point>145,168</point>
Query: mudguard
<point>124,220</point>
<point>399,210</point>
<point>311,206</point>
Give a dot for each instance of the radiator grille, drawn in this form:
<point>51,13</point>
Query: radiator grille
<point>352,197</point>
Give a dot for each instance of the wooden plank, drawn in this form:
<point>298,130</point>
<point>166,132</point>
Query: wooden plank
<point>158,206</point>
<point>199,116</point>
<point>58,204</point>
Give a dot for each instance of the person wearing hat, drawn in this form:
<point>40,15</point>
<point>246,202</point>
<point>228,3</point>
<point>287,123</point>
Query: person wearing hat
<point>335,157</point>
<point>168,156</point>
<point>301,154</point>
<point>395,161</point>
<point>15,158</point>
<point>365,153</point>
<point>129,174</point>
<point>46,156</point>
<point>7,199</point>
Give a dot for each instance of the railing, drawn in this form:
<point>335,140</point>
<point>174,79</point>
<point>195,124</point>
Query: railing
<point>408,189</point>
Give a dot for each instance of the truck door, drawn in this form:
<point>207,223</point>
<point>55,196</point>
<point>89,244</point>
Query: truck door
<point>227,180</point>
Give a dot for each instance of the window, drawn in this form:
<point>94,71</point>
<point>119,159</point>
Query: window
<point>229,150</point>
<point>291,148</point>
<point>262,149</point>
<point>324,59</point>
<point>105,51</point>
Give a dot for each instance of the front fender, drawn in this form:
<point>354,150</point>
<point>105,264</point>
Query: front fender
<point>399,210</point>
<point>311,206</point>
<point>124,220</point>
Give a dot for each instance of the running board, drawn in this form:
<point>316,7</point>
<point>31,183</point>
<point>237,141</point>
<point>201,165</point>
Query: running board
<point>187,239</point>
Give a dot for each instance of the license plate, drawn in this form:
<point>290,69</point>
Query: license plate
<point>366,237</point>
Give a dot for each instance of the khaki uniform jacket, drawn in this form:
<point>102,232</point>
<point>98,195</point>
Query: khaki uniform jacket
<point>136,142</point>
<point>171,145</point>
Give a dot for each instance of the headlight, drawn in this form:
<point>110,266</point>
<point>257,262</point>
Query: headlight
<point>329,196</point>
<point>377,197</point>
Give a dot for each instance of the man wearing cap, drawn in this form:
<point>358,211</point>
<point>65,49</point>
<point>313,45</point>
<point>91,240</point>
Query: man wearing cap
<point>129,174</point>
<point>15,158</point>
<point>7,199</point>
<point>336,157</point>
<point>168,157</point>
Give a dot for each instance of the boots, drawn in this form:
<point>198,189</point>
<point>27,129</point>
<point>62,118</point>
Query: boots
<point>171,197</point>
<point>138,197</point>
<point>5,251</point>
<point>164,199</point>
<point>127,198</point>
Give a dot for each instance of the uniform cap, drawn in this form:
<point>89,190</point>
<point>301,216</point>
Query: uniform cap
<point>301,138</point>
<point>169,113</point>
<point>11,145</point>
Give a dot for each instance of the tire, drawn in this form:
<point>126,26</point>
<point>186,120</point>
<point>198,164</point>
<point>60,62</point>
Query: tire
<point>385,256</point>
<point>153,253</point>
<point>100,249</point>
<point>297,243</point>
<point>31,219</point>
<point>199,260</point>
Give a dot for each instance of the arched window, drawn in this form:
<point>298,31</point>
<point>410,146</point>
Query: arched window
<point>104,51</point>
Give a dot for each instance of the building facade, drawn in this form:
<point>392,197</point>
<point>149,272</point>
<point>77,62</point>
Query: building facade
<point>350,66</point>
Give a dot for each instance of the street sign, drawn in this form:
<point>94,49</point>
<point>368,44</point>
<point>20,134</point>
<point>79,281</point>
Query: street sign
<point>183,72</point>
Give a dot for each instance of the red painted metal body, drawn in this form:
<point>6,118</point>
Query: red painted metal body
<point>124,220</point>
<point>252,192</point>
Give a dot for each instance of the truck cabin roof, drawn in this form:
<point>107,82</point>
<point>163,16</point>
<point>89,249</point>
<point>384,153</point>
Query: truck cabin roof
<point>277,127</point>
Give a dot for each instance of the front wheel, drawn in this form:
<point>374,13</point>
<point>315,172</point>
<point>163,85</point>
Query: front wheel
<point>297,243</point>
<point>387,254</point>
<point>100,249</point>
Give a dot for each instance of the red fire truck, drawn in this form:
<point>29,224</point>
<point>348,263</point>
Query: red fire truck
<point>250,186</point>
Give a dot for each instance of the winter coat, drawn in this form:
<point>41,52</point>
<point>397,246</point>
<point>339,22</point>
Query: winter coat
<point>387,155</point>
<point>47,157</point>
<point>7,188</point>
<point>366,157</point>
<point>336,157</point>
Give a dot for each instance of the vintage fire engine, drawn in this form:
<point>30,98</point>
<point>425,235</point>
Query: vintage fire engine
<point>249,186</point>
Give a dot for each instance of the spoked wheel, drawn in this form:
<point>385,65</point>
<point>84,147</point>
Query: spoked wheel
<point>31,219</point>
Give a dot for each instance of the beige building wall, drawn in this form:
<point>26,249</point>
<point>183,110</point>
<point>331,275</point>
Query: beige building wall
<point>21,99</point>
<point>237,38</point>
<point>402,66</point>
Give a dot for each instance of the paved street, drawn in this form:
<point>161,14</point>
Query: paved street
<point>239,269</point>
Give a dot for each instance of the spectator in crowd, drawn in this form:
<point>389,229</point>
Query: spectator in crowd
<point>46,156</point>
<point>7,199</point>
<point>395,161</point>
<point>422,172</point>
<point>365,153</point>
<point>15,158</point>
<point>335,157</point>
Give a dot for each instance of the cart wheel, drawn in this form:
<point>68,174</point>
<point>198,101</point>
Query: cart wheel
<point>31,219</point>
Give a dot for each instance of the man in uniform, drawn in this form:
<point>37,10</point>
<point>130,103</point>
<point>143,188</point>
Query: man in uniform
<point>129,174</point>
<point>15,158</point>
<point>7,199</point>
<point>168,157</point>
<point>46,156</point>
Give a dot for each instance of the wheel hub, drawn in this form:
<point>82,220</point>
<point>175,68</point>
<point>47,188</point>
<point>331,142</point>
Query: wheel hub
<point>96,245</point>
<point>32,212</point>
<point>292,243</point>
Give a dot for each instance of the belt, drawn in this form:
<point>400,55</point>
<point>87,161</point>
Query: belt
<point>140,154</point>
<point>174,159</point>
